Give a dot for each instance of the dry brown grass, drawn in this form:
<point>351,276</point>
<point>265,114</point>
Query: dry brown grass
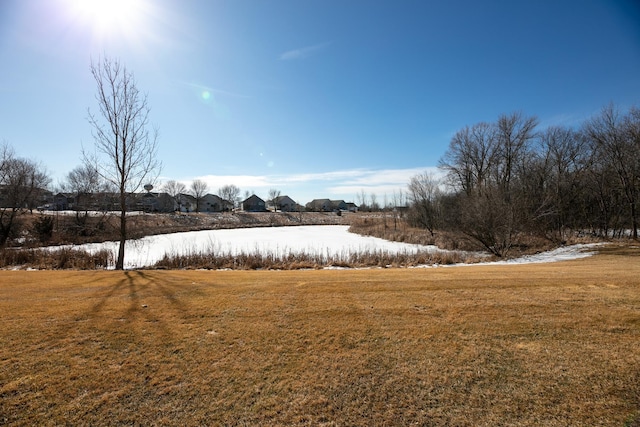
<point>552,345</point>
<point>384,226</point>
<point>59,259</point>
<point>294,261</point>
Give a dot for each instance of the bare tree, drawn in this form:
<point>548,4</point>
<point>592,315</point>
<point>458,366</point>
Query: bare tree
<point>199,189</point>
<point>22,183</point>
<point>274,195</point>
<point>230,193</point>
<point>557,174</point>
<point>488,164</point>
<point>617,140</point>
<point>362,200</point>
<point>471,157</point>
<point>374,206</point>
<point>398,204</point>
<point>490,220</point>
<point>398,198</point>
<point>125,150</point>
<point>175,189</point>
<point>424,195</point>
<point>514,133</point>
<point>86,184</point>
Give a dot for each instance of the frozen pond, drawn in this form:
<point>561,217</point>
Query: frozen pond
<point>329,240</point>
<point>325,240</point>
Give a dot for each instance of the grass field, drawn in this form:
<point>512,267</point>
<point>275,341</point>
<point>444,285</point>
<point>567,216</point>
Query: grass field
<point>552,344</point>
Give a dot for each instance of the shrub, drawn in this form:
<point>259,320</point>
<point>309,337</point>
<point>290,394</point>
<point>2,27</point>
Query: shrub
<point>60,259</point>
<point>43,228</point>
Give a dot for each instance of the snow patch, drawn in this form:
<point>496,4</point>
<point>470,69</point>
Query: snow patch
<point>564,253</point>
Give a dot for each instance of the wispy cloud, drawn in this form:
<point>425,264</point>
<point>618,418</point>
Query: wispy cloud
<point>303,52</point>
<point>381,183</point>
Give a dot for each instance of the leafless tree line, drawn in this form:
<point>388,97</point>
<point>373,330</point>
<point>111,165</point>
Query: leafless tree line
<point>21,183</point>
<point>508,179</point>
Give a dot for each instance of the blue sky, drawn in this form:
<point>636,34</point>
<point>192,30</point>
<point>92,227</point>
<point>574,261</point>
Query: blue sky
<point>316,98</point>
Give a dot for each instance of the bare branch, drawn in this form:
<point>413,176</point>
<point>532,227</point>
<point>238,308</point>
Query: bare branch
<point>125,148</point>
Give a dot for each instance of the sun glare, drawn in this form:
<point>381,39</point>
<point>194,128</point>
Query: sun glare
<point>109,18</point>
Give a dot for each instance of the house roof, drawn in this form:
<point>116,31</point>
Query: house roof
<point>188,197</point>
<point>253,199</point>
<point>284,199</point>
<point>318,202</point>
<point>214,196</point>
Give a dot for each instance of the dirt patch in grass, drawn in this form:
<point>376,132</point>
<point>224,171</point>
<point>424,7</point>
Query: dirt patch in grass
<point>622,249</point>
<point>552,344</point>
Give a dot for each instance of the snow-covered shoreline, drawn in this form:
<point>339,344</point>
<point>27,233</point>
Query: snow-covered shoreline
<point>329,240</point>
<point>563,253</point>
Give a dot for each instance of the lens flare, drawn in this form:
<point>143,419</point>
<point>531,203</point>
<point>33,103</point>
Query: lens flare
<point>110,18</point>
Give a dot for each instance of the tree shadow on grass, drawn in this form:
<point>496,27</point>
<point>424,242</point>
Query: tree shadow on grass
<point>100,305</point>
<point>130,309</point>
<point>166,289</point>
<point>125,302</point>
<point>136,281</point>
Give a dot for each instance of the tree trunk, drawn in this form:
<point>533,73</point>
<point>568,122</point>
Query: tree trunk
<point>634,221</point>
<point>6,227</point>
<point>123,231</point>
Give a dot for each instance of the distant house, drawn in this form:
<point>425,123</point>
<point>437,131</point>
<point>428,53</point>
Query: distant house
<point>213,203</point>
<point>81,201</point>
<point>352,207</point>
<point>285,204</point>
<point>10,198</point>
<point>108,201</point>
<point>63,201</point>
<point>166,203</point>
<point>319,205</point>
<point>254,204</point>
<point>326,205</point>
<point>157,202</point>
<point>147,202</point>
<point>186,202</point>
<point>338,205</point>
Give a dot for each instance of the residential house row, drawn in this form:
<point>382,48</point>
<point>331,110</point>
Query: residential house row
<point>163,202</point>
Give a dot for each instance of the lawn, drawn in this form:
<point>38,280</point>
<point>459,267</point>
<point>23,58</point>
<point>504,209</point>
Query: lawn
<point>542,344</point>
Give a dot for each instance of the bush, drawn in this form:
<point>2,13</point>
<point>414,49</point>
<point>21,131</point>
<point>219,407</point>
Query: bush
<point>60,259</point>
<point>43,228</point>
